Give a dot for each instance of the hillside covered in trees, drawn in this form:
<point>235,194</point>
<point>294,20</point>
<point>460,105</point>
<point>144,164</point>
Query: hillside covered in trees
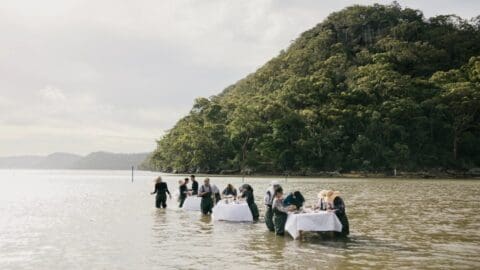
<point>371,88</point>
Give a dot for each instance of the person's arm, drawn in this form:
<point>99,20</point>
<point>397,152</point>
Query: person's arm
<point>279,206</point>
<point>168,191</point>
<point>266,199</point>
<point>154,190</point>
<point>201,192</point>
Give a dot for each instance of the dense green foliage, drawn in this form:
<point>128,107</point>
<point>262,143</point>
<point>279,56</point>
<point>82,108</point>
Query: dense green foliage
<point>370,88</point>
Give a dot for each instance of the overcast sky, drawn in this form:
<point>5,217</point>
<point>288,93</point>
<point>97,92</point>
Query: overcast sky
<point>87,75</point>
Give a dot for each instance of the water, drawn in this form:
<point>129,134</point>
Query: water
<point>101,220</point>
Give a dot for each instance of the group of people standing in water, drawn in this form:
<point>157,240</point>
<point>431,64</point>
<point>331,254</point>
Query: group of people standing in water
<point>277,206</point>
<point>209,193</point>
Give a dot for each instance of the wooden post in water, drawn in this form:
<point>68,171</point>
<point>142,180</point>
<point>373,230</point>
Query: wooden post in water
<point>132,173</point>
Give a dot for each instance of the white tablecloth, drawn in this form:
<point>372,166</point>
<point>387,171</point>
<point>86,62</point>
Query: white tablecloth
<point>322,221</point>
<point>232,212</point>
<point>192,203</point>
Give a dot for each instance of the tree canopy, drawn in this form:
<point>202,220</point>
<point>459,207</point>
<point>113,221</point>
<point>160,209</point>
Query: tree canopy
<point>370,88</point>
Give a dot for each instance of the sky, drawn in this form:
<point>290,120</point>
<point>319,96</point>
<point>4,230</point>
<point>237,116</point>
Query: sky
<point>88,75</point>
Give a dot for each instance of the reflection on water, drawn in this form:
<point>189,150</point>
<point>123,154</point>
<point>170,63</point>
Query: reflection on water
<point>100,220</point>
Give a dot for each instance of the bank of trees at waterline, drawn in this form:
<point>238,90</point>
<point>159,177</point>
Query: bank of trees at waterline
<point>371,88</point>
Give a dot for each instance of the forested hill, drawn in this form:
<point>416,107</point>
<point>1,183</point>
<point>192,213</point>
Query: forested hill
<point>370,88</point>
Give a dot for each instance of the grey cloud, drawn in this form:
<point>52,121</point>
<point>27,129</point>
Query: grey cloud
<point>84,75</point>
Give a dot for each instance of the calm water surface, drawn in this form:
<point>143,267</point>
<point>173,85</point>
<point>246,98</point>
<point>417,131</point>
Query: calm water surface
<point>101,220</point>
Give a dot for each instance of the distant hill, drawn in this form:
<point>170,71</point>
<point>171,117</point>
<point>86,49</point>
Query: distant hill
<point>109,161</point>
<point>57,161</point>
<point>94,161</point>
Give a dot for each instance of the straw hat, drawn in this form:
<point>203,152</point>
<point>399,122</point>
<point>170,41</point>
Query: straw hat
<point>322,194</point>
<point>331,195</point>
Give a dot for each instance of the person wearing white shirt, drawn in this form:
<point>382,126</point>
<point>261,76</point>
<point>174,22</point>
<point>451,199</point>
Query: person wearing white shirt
<point>216,194</point>
<point>268,201</point>
<point>280,212</point>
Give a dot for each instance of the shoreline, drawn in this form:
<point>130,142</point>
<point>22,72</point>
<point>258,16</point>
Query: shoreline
<point>350,175</point>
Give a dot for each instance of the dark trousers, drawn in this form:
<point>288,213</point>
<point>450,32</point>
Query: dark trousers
<point>254,210</point>
<point>279,219</point>
<point>269,219</point>
<point>182,200</point>
<point>345,225</point>
<point>161,201</point>
<point>206,205</point>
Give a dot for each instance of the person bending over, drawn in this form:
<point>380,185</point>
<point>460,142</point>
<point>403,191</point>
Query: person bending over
<point>294,198</point>
<point>230,191</point>
<point>336,204</point>
<point>247,194</point>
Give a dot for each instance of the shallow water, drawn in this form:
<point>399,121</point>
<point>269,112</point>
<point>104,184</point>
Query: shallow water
<point>101,220</point>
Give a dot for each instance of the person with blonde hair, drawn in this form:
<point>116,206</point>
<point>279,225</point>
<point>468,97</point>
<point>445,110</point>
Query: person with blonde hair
<point>336,204</point>
<point>321,204</point>
<point>161,189</point>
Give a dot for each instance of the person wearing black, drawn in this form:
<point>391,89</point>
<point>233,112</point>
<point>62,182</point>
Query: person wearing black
<point>247,193</point>
<point>230,191</point>
<point>194,185</point>
<point>336,204</point>
<point>185,180</point>
<point>294,198</point>
<point>182,192</point>
<point>161,189</point>
<point>205,191</point>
